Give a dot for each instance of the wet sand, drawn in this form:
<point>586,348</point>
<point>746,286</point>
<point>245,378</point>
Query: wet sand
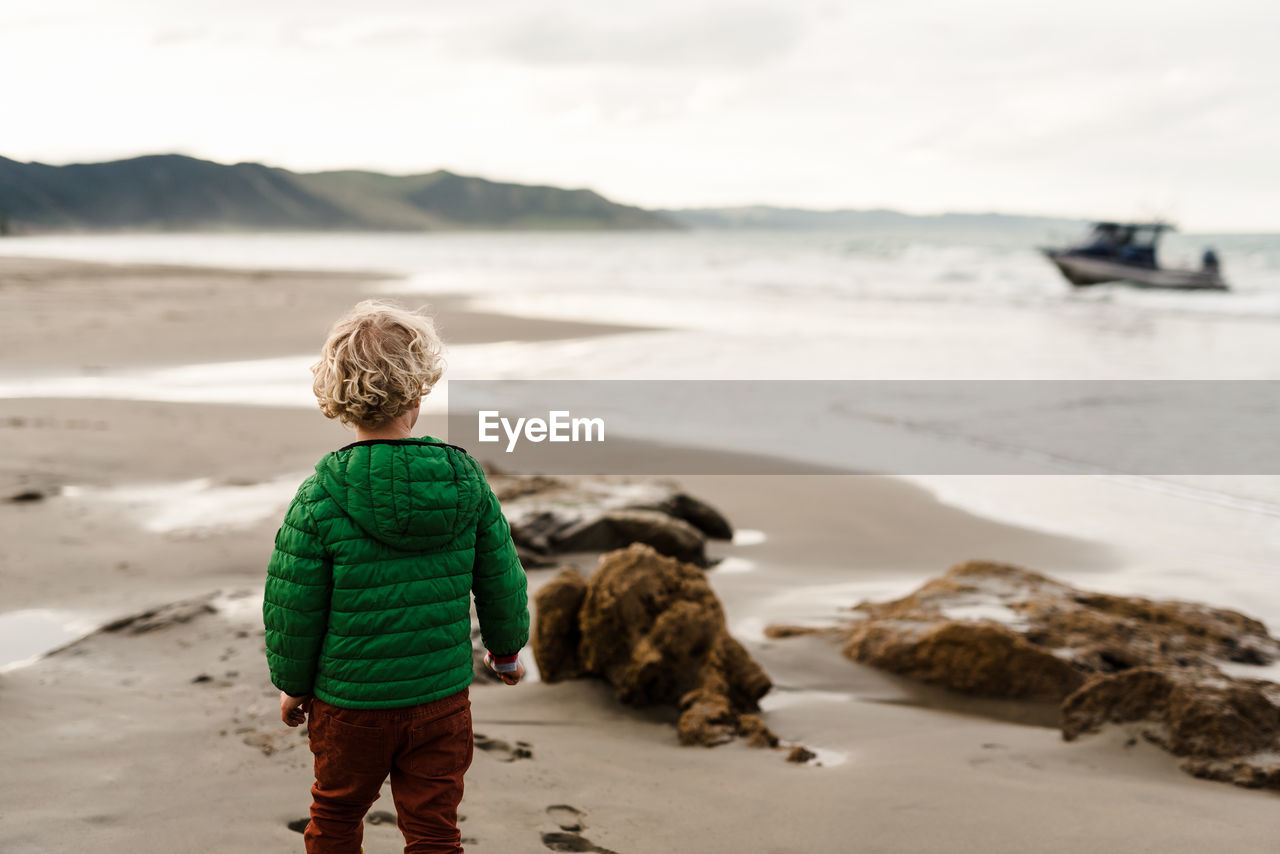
<point>170,738</point>
<point>60,315</point>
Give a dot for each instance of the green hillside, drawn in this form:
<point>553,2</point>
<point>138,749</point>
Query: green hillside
<point>175,193</point>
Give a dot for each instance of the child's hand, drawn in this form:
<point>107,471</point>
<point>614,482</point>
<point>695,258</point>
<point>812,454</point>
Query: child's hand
<point>293,710</point>
<point>510,677</point>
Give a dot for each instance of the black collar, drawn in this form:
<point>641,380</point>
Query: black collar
<point>365,442</point>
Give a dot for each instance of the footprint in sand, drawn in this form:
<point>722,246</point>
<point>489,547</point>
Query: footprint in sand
<point>569,837</point>
<point>563,841</point>
<point>569,818</point>
<point>505,751</point>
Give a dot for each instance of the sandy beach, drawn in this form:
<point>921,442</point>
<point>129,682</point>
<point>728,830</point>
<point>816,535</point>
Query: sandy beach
<point>164,733</point>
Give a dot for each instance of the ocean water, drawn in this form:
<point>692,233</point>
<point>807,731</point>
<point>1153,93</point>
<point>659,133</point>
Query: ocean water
<point>908,304</point>
<point>778,305</point>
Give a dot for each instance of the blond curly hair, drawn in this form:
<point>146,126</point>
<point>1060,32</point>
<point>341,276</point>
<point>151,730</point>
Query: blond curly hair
<point>378,361</point>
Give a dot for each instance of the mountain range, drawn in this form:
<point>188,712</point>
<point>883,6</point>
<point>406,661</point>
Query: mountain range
<point>172,192</point>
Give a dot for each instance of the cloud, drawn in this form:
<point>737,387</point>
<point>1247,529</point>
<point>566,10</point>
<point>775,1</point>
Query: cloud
<point>925,104</point>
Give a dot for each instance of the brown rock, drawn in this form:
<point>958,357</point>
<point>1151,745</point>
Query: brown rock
<point>982,659</point>
<point>556,634</point>
<point>1109,633</point>
<point>1254,772</point>
<point>753,729</point>
<point>652,627</point>
<point>800,754</point>
<point>1112,633</point>
<point>1198,712</point>
<point>706,718</point>
<point>1227,728</point>
<point>1002,631</point>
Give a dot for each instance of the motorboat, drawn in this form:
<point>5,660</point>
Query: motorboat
<point>1126,252</point>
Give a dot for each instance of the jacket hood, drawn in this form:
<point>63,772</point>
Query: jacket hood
<point>412,494</point>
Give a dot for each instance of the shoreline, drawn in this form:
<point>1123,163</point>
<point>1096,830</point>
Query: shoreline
<point>66,315</point>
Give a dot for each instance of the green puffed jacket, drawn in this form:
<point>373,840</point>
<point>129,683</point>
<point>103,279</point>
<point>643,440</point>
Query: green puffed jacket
<point>368,595</point>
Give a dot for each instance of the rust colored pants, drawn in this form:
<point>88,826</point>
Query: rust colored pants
<point>426,749</point>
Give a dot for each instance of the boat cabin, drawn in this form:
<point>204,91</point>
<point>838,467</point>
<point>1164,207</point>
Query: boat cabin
<point>1126,242</point>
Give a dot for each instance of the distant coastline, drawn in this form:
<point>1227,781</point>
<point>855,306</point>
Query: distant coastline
<point>172,192</point>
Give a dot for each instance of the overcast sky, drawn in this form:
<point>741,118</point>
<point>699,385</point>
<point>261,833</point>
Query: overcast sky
<point>1115,108</point>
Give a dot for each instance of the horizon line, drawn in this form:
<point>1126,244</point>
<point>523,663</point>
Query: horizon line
<point>877,208</point>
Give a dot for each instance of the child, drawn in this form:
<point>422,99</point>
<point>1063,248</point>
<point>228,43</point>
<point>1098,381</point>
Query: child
<point>367,603</point>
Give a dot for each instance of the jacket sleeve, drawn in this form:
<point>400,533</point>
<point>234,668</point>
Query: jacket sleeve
<point>499,583</point>
<point>295,604</point>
